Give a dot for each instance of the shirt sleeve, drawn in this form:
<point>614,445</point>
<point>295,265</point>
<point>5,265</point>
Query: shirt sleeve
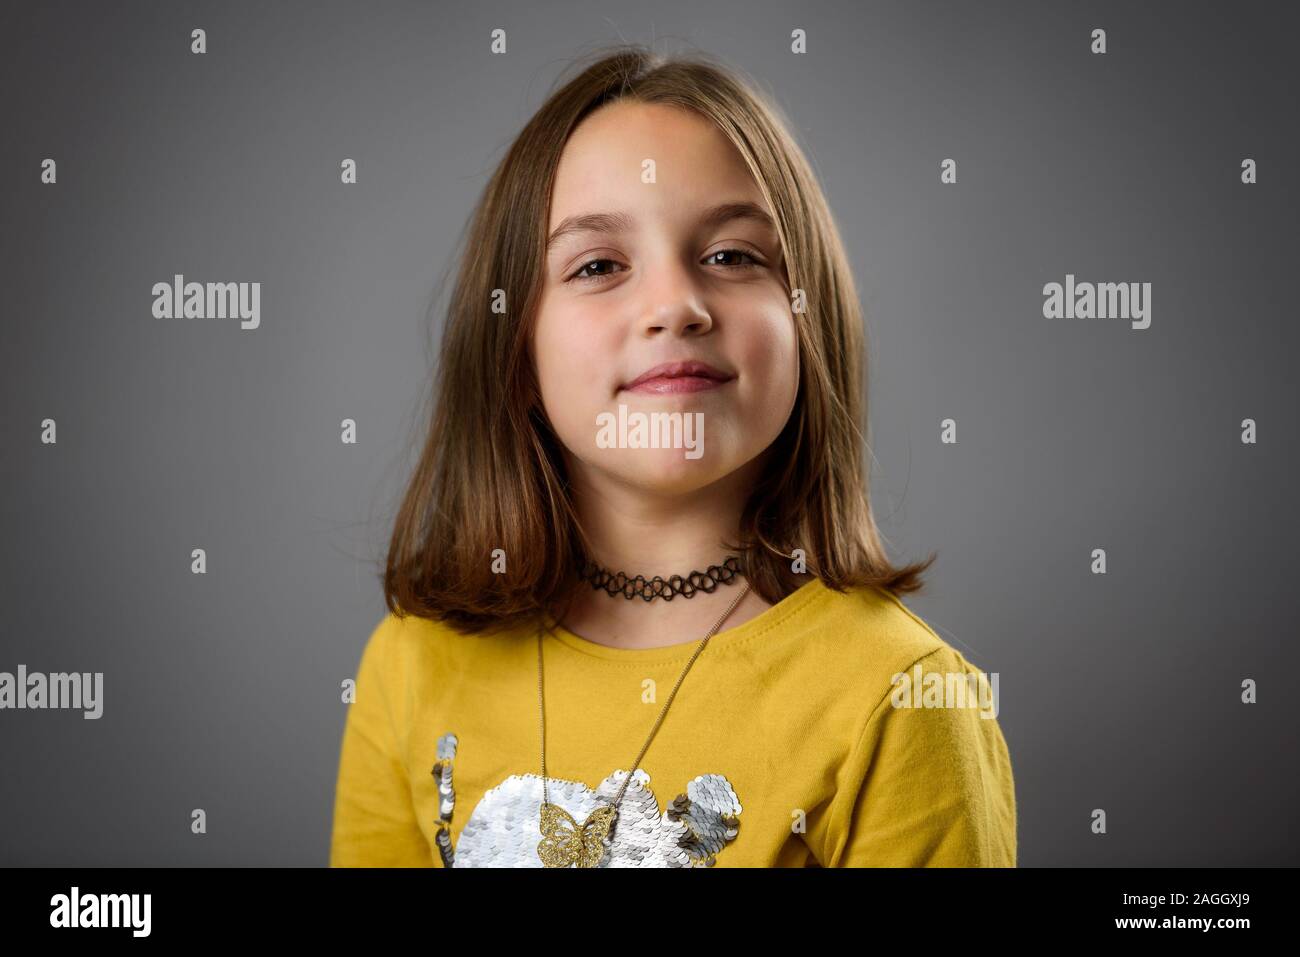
<point>927,786</point>
<point>375,823</point>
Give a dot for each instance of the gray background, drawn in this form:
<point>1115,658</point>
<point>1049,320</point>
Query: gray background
<point>222,691</point>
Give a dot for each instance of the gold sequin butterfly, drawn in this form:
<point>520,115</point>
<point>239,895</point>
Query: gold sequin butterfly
<point>566,843</point>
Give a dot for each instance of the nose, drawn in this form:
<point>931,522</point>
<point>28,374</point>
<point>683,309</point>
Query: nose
<point>672,305</point>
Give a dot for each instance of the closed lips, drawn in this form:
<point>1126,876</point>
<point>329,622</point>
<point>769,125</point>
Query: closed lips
<point>706,375</point>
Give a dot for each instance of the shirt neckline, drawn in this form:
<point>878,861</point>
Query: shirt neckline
<point>764,620</point>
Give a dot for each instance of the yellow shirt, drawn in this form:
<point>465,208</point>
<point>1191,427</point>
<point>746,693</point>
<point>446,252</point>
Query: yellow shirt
<point>795,740</point>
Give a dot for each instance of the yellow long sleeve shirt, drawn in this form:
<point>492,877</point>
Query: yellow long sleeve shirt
<point>834,729</point>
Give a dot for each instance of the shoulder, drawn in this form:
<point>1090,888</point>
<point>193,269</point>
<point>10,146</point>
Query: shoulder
<point>400,640</point>
<point>928,777</point>
<point>403,645</point>
<point>404,662</point>
<point>871,636</point>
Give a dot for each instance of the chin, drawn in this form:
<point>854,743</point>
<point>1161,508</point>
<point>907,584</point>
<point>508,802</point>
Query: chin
<point>668,471</point>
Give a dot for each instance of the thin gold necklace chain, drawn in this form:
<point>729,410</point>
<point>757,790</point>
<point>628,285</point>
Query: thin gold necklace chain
<point>667,704</point>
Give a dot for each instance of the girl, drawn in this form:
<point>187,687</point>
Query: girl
<point>639,611</point>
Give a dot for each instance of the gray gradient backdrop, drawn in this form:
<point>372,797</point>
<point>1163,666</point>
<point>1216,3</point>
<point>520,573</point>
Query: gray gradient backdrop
<point>222,691</point>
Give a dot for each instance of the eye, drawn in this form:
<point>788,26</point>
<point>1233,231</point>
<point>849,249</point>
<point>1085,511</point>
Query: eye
<point>601,277</point>
<point>591,262</point>
<point>753,260</point>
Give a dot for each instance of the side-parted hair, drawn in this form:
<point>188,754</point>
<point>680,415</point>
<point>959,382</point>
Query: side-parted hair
<point>491,474</point>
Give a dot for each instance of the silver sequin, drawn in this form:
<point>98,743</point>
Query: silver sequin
<point>503,830</point>
<point>446,796</point>
<point>447,746</point>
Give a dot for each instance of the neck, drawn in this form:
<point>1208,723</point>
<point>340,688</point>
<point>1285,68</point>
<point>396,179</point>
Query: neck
<point>640,533</point>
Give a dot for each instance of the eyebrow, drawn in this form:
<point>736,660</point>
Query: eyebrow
<point>713,217</point>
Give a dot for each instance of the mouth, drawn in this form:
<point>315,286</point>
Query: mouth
<point>675,377</point>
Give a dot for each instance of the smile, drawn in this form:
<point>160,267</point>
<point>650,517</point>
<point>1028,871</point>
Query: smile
<point>670,378</point>
<point>669,385</point>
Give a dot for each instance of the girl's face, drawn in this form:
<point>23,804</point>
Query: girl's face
<point>662,250</point>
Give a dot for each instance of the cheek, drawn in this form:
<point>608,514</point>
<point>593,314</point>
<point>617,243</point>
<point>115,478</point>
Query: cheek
<point>572,363</point>
<point>771,351</point>
<point>570,338</point>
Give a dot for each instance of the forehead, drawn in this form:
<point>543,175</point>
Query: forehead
<point>602,162</point>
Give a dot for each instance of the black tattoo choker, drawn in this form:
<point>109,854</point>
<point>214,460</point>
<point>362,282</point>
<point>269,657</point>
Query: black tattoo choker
<point>649,589</point>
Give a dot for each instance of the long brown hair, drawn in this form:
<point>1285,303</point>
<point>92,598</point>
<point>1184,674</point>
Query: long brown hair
<point>491,475</point>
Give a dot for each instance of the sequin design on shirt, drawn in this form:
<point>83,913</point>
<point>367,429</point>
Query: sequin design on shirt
<point>446,795</point>
<point>503,829</point>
